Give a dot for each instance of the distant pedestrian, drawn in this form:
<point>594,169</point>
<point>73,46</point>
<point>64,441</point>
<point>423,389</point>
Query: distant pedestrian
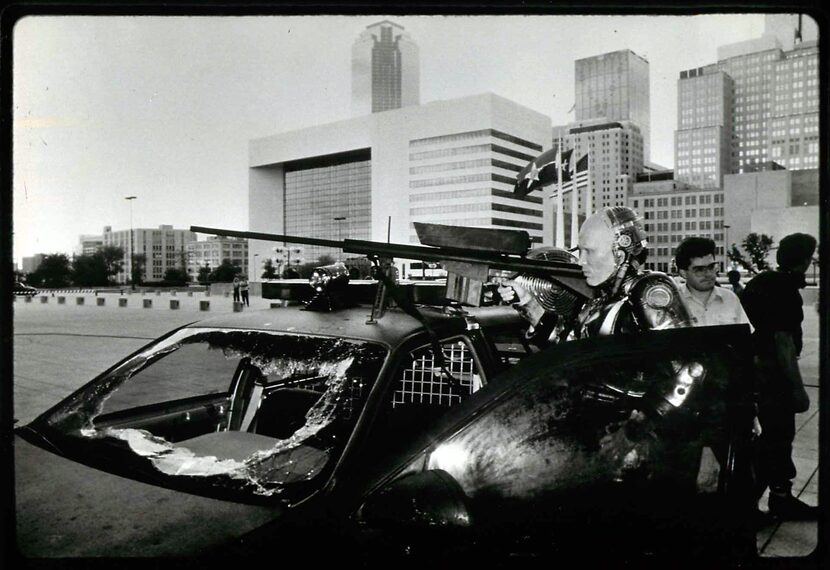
<point>734,277</point>
<point>236,289</point>
<point>243,288</point>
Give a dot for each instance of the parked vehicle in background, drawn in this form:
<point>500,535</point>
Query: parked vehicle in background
<point>21,289</point>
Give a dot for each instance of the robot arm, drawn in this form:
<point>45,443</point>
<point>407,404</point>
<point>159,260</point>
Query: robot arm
<point>657,305</point>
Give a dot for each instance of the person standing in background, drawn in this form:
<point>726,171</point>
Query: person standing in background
<point>236,289</point>
<point>734,277</point>
<point>243,288</point>
<point>773,303</point>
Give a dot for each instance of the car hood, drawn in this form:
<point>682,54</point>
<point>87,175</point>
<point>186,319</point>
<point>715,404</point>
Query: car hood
<point>60,504</point>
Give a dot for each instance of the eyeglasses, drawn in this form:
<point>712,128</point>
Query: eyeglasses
<point>701,269</point>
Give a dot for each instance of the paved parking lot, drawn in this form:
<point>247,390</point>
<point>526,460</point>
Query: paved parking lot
<point>59,347</point>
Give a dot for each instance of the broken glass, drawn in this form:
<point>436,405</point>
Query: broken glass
<point>170,405</point>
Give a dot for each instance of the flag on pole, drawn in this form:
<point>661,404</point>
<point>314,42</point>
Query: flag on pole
<point>541,171</point>
<point>578,176</point>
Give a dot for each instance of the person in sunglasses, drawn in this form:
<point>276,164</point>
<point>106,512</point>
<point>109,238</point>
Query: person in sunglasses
<point>707,303</point>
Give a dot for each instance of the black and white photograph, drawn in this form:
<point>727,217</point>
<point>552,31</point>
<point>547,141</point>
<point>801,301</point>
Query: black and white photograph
<point>507,289</point>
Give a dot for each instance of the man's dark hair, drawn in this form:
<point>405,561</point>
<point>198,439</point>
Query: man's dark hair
<point>795,249</point>
<point>692,247</point>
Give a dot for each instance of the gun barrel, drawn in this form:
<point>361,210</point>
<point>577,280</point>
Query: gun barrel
<point>267,237</point>
<point>569,274</point>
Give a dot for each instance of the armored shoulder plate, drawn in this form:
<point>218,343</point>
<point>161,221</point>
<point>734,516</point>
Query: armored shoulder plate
<point>656,302</point>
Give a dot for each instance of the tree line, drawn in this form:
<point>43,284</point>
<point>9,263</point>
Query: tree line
<point>100,268</point>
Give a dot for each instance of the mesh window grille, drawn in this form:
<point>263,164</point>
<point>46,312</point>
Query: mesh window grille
<point>423,382</point>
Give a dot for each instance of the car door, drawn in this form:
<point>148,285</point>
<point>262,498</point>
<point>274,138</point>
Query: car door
<point>565,442</point>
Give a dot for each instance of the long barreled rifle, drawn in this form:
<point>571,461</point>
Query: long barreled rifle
<point>467,267</point>
<point>467,260</point>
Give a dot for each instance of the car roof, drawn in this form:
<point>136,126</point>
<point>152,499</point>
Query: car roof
<point>391,329</point>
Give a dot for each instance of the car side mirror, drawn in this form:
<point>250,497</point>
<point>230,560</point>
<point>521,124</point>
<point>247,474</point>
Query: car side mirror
<point>419,501</point>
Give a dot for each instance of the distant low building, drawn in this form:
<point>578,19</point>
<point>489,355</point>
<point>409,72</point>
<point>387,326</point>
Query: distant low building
<point>673,210</point>
<point>163,247</point>
<point>31,264</point>
<point>212,251</point>
<point>89,244</point>
<point>776,203</point>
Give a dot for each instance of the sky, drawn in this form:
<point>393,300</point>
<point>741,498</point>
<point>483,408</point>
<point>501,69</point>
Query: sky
<point>162,108</point>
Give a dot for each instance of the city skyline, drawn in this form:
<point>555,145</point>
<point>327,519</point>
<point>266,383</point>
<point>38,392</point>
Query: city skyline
<point>167,105</point>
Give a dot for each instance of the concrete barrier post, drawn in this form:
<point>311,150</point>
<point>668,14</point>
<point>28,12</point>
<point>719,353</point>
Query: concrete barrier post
<point>79,300</point>
<point>44,299</point>
<point>61,300</point>
<point>204,305</point>
<point>174,304</point>
<point>122,302</point>
<point>237,307</point>
<point>148,303</point>
<point>101,301</point>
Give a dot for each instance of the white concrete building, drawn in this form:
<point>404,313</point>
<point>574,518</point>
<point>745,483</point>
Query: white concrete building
<point>451,162</point>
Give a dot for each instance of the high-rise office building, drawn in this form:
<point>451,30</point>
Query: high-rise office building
<point>615,152</point>
<point>758,104</point>
<point>703,139</point>
<point>385,70</point>
<point>615,86</point>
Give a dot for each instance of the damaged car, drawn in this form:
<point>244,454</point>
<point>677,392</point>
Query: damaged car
<point>289,429</point>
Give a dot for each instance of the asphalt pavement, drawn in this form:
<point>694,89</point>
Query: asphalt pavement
<point>59,346</point>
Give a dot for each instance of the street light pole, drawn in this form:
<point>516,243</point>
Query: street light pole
<point>130,274</point>
<point>726,248</point>
<point>339,219</point>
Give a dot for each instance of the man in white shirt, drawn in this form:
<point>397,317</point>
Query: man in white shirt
<point>707,303</point>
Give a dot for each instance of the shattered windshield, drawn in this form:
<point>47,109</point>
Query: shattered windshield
<point>253,410</point>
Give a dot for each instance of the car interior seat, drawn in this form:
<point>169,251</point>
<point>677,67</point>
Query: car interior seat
<point>283,411</point>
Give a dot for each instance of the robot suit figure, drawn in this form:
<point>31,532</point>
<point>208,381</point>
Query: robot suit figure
<point>627,299</point>
<point>612,246</point>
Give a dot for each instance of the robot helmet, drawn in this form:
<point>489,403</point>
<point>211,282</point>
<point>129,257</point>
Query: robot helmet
<point>629,233</point>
